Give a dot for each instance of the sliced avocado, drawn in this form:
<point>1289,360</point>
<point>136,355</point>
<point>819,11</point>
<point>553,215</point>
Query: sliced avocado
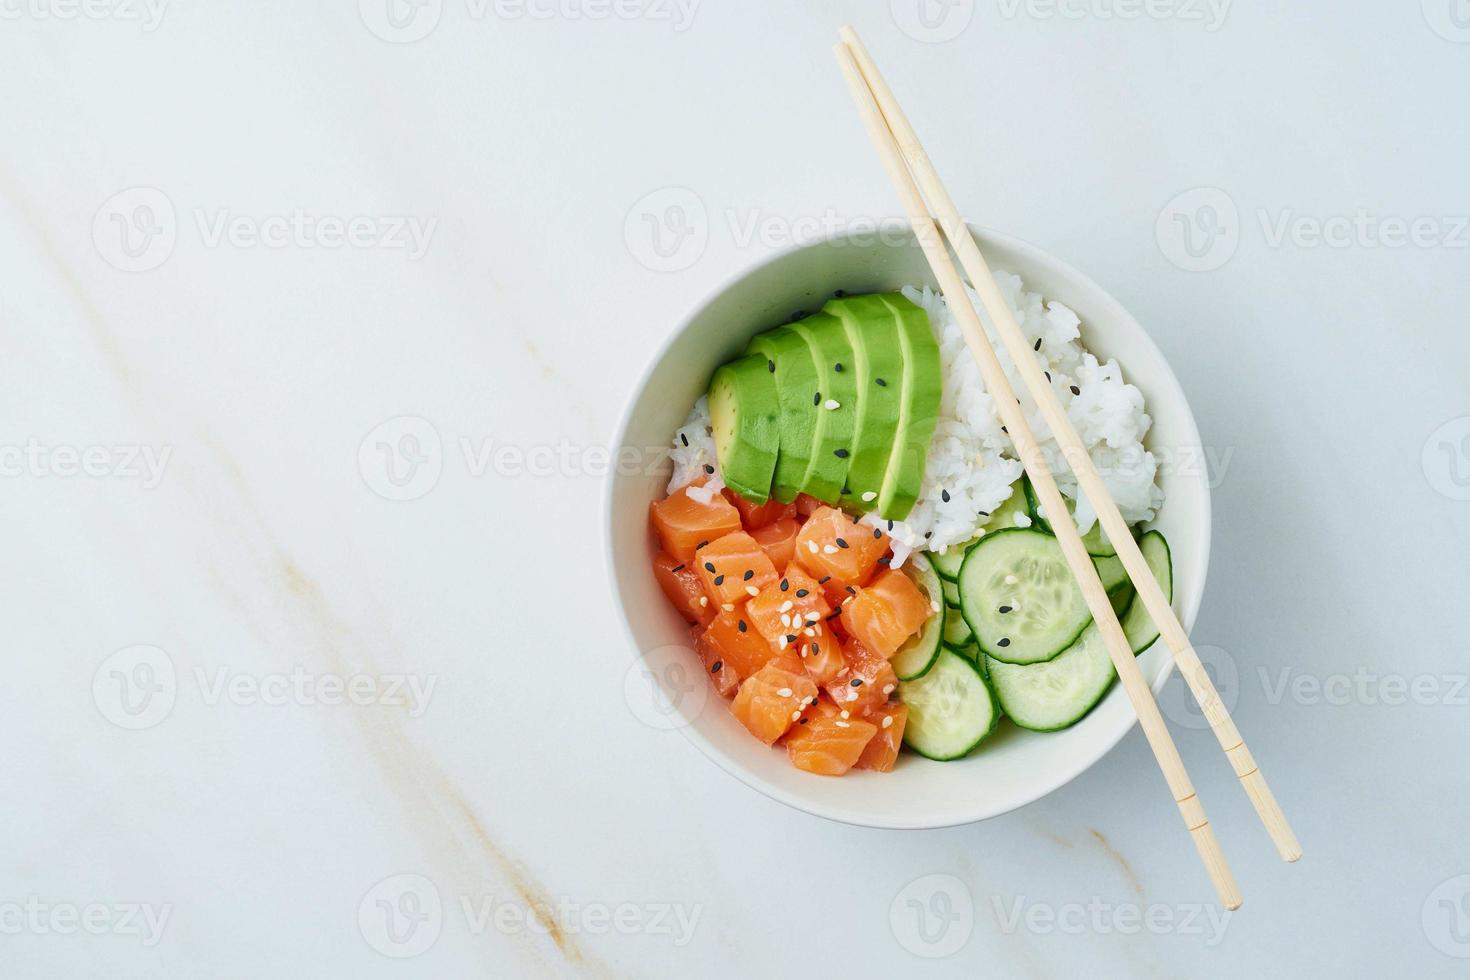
<point>745,415</point>
<point>791,362</point>
<point>923,384</point>
<point>835,399</point>
<point>872,329</point>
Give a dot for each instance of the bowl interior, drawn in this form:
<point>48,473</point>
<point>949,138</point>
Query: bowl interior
<point>1013,767</point>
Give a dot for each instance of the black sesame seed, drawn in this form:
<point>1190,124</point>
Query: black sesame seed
<point>1048,376</point>
<point>1003,642</point>
<point>700,545</point>
<point>890,525</point>
<point>877,534</point>
<point>928,534</point>
<point>785,584</point>
<point>719,580</point>
<point>852,590</point>
<point>817,398</point>
<point>741,625</point>
<point>749,574</point>
<point>709,566</point>
<point>770,365</point>
<point>944,495</point>
<point>1004,610</point>
<point>791,638</point>
<point>885,560</point>
<point>802,593</point>
<point>1038,344</point>
<point>824,580</point>
<point>857,682</point>
<point>1005,430</point>
<point>1076,390</point>
<point>840,453</point>
<point>816,649</point>
<point>838,366</point>
<point>835,613</point>
<point>880,382</point>
<point>805,720</point>
<point>684,438</point>
<point>842,542</point>
<point>708,468</point>
<point>985,513</point>
<point>678,568</point>
<point>714,668</point>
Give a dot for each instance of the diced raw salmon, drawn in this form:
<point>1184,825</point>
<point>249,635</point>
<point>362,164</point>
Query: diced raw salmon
<point>778,540</point>
<point>755,516</point>
<point>822,655</point>
<point>882,749</point>
<point>682,523</point>
<point>886,613</point>
<point>682,586</point>
<point>789,606</point>
<point>733,568</point>
<point>827,743</point>
<point>832,544</point>
<point>730,639</point>
<point>722,674</point>
<point>865,681</point>
<point>807,505</point>
<point>770,701</point>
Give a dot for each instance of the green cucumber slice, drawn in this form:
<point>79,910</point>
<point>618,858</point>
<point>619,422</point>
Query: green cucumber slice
<point>1137,625</point>
<point>1122,598</point>
<point>957,632</point>
<point>1018,595</point>
<point>1050,696</point>
<point>948,564</point>
<point>1095,539</point>
<point>1114,576</point>
<point>951,709</point>
<point>1003,518</point>
<point>952,593</point>
<point>915,657</point>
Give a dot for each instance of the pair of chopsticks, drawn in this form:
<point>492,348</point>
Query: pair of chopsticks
<point>916,180</point>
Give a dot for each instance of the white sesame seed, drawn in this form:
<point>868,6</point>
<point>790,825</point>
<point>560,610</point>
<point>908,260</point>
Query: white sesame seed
<point>703,601</point>
<point>846,713</point>
<point>785,620</point>
<point>887,688</point>
<point>832,404</point>
<point>787,606</point>
<point>813,616</point>
<point>783,643</point>
<point>843,724</point>
<point>809,631</point>
<point>795,715</point>
<point>752,590</point>
<point>829,549</point>
<point>785,692</point>
<point>1011,580</point>
<point>934,605</point>
<point>887,721</point>
<point>812,547</point>
<point>870,496</point>
<point>728,606</point>
<point>852,695</point>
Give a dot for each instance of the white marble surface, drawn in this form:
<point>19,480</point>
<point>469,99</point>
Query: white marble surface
<point>253,557</point>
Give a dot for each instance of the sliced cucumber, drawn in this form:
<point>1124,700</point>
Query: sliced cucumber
<point>1114,576</point>
<point>951,593</point>
<point>951,709</point>
<point>915,657</point>
<point>1004,517</point>
<point>1095,539</point>
<point>1122,598</point>
<point>1050,696</point>
<point>948,564</point>
<point>1018,595</point>
<point>957,632</point>
<point>1137,625</point>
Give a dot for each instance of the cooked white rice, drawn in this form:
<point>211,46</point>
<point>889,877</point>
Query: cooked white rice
<point>970,458</point>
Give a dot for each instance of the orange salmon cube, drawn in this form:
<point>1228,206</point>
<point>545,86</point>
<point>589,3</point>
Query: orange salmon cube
<point>733,568</point>
<point>771,700</point>
<point>882,749</point>
<point>682,523</point>
<point>721,674</point>
<point>832,545</point>
<point>788,607</point>
<point>682,587</point>
<point>778,540</point>
<point>864,683</point>
<point>822,655</point>
<point>755,516</point>
<point>886,613</point>
<point>827,743</point>
<point>730,641</point>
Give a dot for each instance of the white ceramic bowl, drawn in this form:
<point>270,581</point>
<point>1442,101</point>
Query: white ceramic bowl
<point>1012,767</point>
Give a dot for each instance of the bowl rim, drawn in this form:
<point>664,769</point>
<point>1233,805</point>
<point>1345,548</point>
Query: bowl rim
<point>1187,604</point>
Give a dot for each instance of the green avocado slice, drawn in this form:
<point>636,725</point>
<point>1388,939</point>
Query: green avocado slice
<point>745,416</point>
<point>791,363</point>
<point>923,386</point>
<point>835,399</point>
<point>872,329</point>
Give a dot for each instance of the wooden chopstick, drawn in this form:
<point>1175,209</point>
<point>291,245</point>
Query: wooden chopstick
<point>1009,408</point>
<point>1149,592</point>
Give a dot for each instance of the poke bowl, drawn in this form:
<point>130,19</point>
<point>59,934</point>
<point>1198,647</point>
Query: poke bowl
<point>1008,766</point>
